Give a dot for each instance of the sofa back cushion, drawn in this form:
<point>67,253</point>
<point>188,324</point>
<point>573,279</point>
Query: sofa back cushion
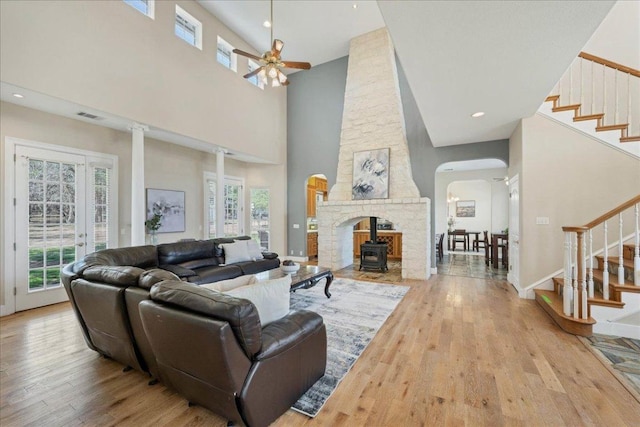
<point>136,256</point>
<point>180,252</point>
<point>117,275</point>
<point>236,252</point>
<point>241,314</point>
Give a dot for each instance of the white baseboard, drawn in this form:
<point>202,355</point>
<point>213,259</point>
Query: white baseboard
<point>617,329</point>
<point>434,270</point>
<point>5,310</point>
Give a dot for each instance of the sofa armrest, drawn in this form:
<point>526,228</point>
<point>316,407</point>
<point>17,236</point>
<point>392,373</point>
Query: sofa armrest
<point>281,335</point>
<point>269,255</point>
<point>179,271</point>
<point>113,275</point>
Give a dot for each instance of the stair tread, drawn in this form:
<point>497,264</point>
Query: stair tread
<point>615,260</point>
<point>555,303</point>
<point>551,98</point>
<point>630,138</point>
<point>566,107</point>
<point>588,117</point>
<point>598,299</point>
<point>597,275</point>
<point>612,127</point>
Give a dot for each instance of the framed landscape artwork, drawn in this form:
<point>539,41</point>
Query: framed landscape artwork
<point>170,205</point>
<point>466,209</point>
<point>370,174</point>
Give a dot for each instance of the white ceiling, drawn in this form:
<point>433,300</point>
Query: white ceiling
<point>459,57</point>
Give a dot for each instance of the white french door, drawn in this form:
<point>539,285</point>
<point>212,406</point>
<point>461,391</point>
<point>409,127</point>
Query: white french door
<point>233,200</point>
<point>62,211</point>
<point>513,274</point>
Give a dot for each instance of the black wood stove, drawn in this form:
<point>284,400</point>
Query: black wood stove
<point>373,254</point>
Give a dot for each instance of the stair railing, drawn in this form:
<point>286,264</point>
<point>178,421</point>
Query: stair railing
<point>578,281</point>
<point>604,89</point>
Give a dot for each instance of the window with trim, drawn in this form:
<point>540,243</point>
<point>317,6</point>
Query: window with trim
<point>233,202</point>
<point>188,28</point>
<point>255,80</point>
<point>146,7</point>
<point>225,55</point>
<point>260,223</point>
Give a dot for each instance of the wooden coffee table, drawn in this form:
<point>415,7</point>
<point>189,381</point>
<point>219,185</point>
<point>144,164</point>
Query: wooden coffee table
<point>306,277</point>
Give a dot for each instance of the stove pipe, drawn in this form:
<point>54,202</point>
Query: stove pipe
<point>373,229</point>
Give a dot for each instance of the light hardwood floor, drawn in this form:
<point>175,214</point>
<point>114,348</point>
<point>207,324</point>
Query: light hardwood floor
<point>456,351</point>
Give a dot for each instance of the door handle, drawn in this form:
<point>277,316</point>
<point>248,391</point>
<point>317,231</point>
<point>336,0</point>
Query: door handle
<point>81,235</point>
<point>80,244</point>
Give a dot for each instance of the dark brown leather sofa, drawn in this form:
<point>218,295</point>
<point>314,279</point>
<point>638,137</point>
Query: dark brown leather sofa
<point>212,349</point>
<point>106,287</point>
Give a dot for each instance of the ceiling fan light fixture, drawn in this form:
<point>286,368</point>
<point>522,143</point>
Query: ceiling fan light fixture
<point>273,72</point>
<point>275,83</point>
<point>282,77</point>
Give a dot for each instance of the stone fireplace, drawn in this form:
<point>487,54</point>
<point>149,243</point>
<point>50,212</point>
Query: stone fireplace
<point>373,119</point>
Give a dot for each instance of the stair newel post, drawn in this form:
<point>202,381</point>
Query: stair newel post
<point>590,283</point>
<point>574,284</point>
<point>621,254</point>
<point>636,257</point>
<point>566,287</point>
<point>605,266</point>
<point>581,268</point>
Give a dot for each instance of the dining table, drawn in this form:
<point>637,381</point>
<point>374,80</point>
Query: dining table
<point>499,240</point>
<point>467,236</point>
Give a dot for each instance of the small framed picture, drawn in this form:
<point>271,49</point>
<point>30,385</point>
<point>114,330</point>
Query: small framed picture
<point>466,208</point>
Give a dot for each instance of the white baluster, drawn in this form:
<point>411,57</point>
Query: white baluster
<point>593,90</point>
<point>620,256</point>
<point>576,299</point>
<point>636,258</point>
<point>581,88</point>
<point>583,276</point>
<point>571,83</point>
<point>604,93</point>
<point>616,83</point>
<point>590,264</point>
<point>605,267</point>
<point>567,294</point>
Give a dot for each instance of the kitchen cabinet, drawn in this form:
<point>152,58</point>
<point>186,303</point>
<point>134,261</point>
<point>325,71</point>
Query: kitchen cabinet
<point>315,187</point>
<point>393,239</point>
<point>312,245</point>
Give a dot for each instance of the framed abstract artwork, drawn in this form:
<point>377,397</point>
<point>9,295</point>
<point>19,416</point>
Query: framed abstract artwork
<point>169,204</point>
<point>370,174</point>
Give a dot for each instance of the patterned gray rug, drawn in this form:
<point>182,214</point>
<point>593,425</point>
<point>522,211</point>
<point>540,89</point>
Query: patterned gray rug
<point>353,315</point>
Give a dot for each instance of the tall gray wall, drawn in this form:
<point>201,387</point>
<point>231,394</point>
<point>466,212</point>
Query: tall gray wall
<point>314,117</point>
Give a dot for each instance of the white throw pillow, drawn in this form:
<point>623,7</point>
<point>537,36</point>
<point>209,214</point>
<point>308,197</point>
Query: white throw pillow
<point>235,252</point>
<point>254,249</point>
<point>227,285</point>
<point>271,298</point>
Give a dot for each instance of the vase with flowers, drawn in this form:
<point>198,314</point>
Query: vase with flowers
<point>153,224</point>
<point>451,222</point>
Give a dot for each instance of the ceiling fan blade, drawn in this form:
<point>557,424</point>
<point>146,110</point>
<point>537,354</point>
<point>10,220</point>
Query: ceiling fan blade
<point>247,54</point>
<point>253,73</point>
<point>277,46</point>
<point>286,83</point>
<point>295,64</point>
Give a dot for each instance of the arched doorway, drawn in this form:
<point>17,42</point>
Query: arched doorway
<point>472,196</point>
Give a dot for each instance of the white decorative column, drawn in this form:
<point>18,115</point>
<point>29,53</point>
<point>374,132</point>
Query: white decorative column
<point>138,209</point>
<point>220,192</point>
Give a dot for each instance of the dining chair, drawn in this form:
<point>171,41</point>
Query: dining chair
<point>481,243</point>
<point>460,236</point>
<point>487,248</point>
<point>439,248</point>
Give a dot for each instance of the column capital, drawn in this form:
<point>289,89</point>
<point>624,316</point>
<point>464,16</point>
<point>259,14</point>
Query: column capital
<point>138,126</point>
<point>221,151</point>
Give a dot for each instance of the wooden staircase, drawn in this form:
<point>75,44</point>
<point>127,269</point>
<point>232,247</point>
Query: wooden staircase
<point>600,284</point>
<point>594,99</point>
<point>600,127</point>
<point>551,300</point>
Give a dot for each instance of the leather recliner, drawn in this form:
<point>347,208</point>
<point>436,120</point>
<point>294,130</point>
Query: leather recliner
<point>211,348</point>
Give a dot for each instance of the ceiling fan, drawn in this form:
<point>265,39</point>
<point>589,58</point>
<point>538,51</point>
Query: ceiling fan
<point>271,64</point>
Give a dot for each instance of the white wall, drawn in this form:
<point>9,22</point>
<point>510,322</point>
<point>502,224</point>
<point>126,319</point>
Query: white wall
<point>618,36</point>
<point>167,166</point>
<point>107,56</point>
<point>569,178</point>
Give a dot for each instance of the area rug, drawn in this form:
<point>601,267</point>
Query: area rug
<point>622,354</point>
<point>353,315</point>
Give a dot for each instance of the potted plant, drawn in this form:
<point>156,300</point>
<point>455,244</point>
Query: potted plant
<point>153,224</point>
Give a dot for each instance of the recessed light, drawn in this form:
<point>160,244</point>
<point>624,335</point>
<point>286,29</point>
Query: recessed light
<point>266,24</point>
<point>355,6</point>
<point>18,95</point>
<point>478,114</point>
